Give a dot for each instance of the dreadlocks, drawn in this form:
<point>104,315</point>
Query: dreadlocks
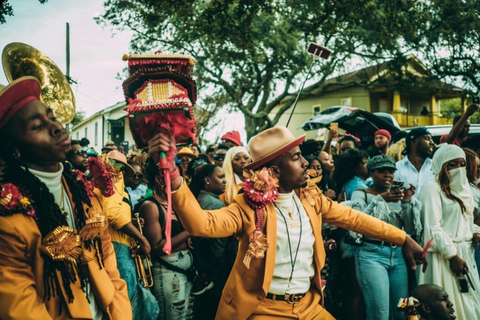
<point>49,215</point>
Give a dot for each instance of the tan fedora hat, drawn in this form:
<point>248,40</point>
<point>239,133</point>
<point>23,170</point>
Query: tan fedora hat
<point>271,143</point>
<point>120,157</point>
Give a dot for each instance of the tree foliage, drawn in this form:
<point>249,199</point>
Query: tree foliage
<point>6,10</point>
<point>251,55</point>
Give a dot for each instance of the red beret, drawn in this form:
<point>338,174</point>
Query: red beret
<point>233,136</point>
<point>385,133</point>
<point>17,94</point>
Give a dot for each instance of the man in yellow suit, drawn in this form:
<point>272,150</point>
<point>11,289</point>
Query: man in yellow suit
<point>278,223</point>
<point>56,256</point>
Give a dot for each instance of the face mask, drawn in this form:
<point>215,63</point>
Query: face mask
<point>458,179</point>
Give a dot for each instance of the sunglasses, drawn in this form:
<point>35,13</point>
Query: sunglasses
<point>219,157</point>
<point>80,153</point>
<point>138,175</point>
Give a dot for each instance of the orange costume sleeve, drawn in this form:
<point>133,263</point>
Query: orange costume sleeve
<point>111,290</point>
<point>229,220</point>
<point>19,298</point>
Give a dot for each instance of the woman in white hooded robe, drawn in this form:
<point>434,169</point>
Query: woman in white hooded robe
<point>447,218</point>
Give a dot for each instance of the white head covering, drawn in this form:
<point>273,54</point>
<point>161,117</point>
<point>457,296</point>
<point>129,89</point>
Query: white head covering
<point>459,185</point>
<point>444,154</point>
<point>237,150</point>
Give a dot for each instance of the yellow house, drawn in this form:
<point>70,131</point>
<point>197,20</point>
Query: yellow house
<point>404,88</point>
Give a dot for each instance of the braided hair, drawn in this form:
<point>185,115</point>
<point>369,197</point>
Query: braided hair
<point>49,215</point>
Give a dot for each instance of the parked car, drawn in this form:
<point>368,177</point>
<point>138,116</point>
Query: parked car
<point>440,130</point>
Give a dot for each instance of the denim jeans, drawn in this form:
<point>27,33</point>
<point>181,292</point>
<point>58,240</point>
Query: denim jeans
<point>172,289</point>
<point>382,276</point>
<point>144,304</point>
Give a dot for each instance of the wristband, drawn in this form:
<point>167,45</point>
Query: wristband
<point>174,173</point>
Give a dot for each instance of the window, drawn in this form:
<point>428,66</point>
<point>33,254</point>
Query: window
<point>86,132</point>
<point>316,109</point>
<point>78,135</point>
<point>346,102</point>
<point>383,105</point>
<point>96,133</point>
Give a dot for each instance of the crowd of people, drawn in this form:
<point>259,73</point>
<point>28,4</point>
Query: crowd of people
<point>282,227</point>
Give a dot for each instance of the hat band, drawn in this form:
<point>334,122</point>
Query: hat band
<point>14,109</point>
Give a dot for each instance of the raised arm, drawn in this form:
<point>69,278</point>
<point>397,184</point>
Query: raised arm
<point>458,127</point>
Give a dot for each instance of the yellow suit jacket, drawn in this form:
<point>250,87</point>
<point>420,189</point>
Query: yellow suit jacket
<point>22,283</point>
<point>246,288</point>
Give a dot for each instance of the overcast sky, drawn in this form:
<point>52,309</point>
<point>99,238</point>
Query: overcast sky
<point>95,56</point>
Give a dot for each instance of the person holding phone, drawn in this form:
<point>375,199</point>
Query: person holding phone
<point>380,266</point>
<point>447,217</point>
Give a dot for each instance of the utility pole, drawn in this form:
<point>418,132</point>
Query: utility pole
<point>68,53</point>
<point>67,73</point>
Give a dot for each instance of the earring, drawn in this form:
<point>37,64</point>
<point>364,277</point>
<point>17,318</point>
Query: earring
<point>208,182</point>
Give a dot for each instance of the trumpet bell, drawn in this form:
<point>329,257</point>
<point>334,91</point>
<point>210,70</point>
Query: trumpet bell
<point>20,60</point>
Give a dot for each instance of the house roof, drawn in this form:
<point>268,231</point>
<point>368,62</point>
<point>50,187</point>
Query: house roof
<point>115,107</point>
<point>407,73</point>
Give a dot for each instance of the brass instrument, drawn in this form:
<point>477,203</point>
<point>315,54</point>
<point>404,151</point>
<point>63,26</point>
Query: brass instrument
<point>142,263</point>
<point>20,60</point>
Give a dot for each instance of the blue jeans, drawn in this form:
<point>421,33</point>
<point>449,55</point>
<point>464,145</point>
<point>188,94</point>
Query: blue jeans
<point>172,288</point>
<point>144,304</point>
<point>382,276</point>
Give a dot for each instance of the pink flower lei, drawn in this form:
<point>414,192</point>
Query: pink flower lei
<point>260,189</point>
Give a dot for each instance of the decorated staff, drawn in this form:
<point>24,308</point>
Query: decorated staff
<point>161,93</point>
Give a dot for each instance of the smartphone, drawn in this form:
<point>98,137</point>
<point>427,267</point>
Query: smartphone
<point>396,185</point>
<point>462,284</point>
<point>319,51</point>
<point>334,126</point>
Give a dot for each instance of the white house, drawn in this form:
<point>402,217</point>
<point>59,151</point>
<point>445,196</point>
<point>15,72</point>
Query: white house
<point>109,124</point>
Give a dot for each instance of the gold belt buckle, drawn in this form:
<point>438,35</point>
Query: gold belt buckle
<point>293,298</point>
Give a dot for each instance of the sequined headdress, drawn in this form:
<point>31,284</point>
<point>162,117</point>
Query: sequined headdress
<point>160,92</point>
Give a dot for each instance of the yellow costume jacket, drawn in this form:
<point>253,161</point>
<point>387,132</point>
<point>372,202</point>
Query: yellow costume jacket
<point>22,282</point>
<point>246,288</point>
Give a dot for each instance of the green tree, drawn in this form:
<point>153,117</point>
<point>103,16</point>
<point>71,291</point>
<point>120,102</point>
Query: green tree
<point>6,10</point>
<point>250,55</point>
<point>450,40</point>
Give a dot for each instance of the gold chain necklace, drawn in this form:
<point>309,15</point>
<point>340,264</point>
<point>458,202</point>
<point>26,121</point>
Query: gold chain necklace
<point>293,223</point>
